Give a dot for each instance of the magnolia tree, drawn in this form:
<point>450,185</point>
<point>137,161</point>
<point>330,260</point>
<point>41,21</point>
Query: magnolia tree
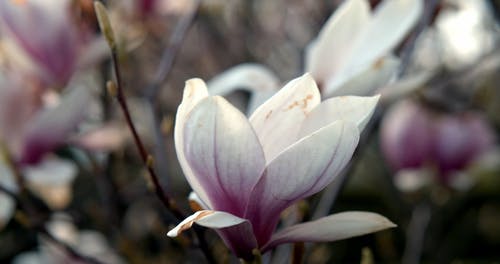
<point>105,158</point>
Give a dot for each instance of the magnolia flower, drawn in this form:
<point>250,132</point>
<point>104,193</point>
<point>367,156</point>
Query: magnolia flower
<point>245,172</point>
<point>447,143</point>
<point>45,33</point>
<point>32,124</point>
<point>352,53</point>
<point>350,56</point>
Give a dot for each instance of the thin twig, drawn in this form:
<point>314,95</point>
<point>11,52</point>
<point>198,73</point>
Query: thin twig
<point>162,72</point>
<point>147,159</point>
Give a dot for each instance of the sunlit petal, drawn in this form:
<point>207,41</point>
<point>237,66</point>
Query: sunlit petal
<point>223,153</point>
<point>291,176</point>
<point>326,54</point>
<point>331,228</point>
<point>278,120</point>
<point>355,109</point>
<point>194,91</point>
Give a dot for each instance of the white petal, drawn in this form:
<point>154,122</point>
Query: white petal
<point>207,218</point>
<point>331,228</point>
<point>365,83</point>
<point>326,54</point>
<point>224,154</point>
<point>355,109</point>
<point>300,171</point>
<point>404,86</point>
<point>194,91</point>
<point>257,79</point>
<point>391,21</point>
<point>278,120</point>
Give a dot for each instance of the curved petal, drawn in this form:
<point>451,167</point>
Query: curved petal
<point>223,152</point>
<point>278,120</point>
<point>331,228</point>
<point>207,218</point>
<point>45,31</point>
<point>326,54</point>
<point>355,109</point>
<point>18,104</point>
<point>301,170</point>
<point>52,126</point>
<point>365,83</point>
<point>257,79</point>
<point>235,231</point>
<point>194,91</point>
<point>403,87</point>
<point>391,21</point>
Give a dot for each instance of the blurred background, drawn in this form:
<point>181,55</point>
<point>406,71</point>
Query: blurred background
<point>73,184</point>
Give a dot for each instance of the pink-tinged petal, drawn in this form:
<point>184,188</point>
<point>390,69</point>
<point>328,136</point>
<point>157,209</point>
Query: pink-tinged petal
<point>45,31</point>
<point>407,126</point>
<point>365,83</point>
<point>278,120</point>
<point>355,109</point>
<point>326,54</point>
<point>223,153</point>
<point>51,127</point>
<point>194,91</point>
<point>236,232</point>
<point>391,22</point>
<point>254,78</point>
<point>18,105</point>
<point>331,228</point>
<point>303,169</point>
<point>207,218</point>
<point>108,137</point>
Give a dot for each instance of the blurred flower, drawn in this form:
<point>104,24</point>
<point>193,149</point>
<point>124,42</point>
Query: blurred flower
<point>33,123</point>
<point>45,32</point>
<point>30,126</point>
<point>355,45</point>
<point>350,56</point>
<point>89,243</point>
<point>247,171</point>
<point>413,137</point>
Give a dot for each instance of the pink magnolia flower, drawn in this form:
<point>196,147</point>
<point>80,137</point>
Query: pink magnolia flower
<point>246,171</point>
<point>30,127</point>
<point>413,137</point>
<point>46,32</point>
